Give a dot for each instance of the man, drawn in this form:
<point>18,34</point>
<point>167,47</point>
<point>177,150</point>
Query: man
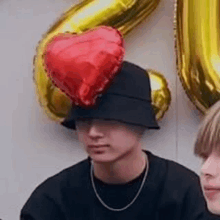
<point>118,180</point>
<point>207,147</point>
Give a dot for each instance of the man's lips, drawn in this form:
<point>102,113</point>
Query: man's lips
<point>211,191</point>
<point>211,188</point>
<point>97,146</point>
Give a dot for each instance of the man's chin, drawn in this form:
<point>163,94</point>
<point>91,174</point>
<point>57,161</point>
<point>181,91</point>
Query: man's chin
<point>214,208</point>
<point>100,158</point>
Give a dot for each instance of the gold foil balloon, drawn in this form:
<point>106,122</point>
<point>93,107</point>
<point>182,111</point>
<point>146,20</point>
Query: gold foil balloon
<point>161,96</point>
<point>121,14</point>
<point>197,47</point>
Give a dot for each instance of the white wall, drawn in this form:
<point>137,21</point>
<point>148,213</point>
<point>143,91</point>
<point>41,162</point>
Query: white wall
<point>33,147</point>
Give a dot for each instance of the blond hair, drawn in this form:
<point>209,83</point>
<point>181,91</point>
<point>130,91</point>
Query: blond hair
<point>208,137</point>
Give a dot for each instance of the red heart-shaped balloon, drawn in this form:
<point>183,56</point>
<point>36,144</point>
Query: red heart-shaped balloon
<point>83,66</point>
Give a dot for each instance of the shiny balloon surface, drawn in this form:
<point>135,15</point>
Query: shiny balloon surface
<point>121,14</point>
<point>84,65</point>
<point>161,95</point>
<point>197,29</point>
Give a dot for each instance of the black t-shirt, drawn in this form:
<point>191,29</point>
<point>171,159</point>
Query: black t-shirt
<point>171,191</point>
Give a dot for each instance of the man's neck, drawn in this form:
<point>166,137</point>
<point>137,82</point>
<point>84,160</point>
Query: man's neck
<point>121,171</point>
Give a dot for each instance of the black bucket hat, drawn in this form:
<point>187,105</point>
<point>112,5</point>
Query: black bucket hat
<point>127,100</point>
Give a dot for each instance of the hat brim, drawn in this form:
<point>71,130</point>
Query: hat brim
<point>116,107</point>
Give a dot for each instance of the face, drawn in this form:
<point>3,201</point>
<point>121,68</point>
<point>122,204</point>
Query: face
<point>108,140</point>
<point>210,180</point>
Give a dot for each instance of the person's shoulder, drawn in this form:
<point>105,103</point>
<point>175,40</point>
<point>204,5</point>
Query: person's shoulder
<point>66,177</point>
<point>176,171</point>
<point>52,191</point>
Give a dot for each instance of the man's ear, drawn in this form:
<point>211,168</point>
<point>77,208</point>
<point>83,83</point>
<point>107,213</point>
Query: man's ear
<point>144,130</point>
<point>76,131</point>
<point>140,130</point>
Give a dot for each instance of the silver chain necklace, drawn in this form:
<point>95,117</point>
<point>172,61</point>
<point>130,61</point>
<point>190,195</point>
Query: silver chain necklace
<point>121,209</point>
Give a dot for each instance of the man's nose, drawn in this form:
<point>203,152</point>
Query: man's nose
<point>210,167</point>
<point>95,131</point>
